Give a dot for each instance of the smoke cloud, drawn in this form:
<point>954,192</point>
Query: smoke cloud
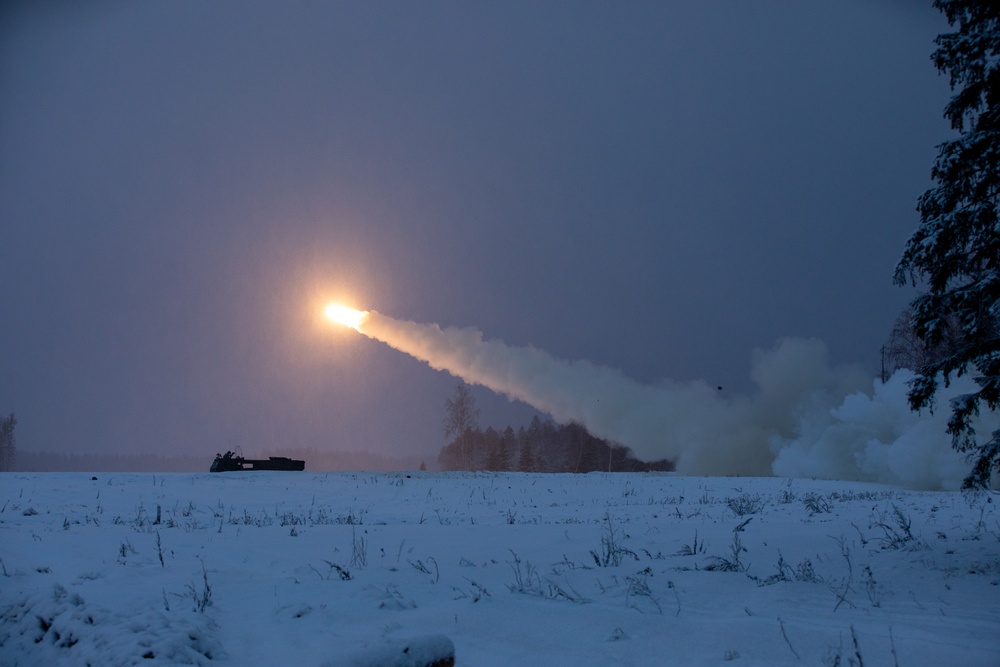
<point>803,419</point>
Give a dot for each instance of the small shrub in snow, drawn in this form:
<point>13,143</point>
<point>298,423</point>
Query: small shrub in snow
<point>564,591</point>
<point>866,496</point>
<point>359,550</point>
<point>732,563</point>
<point>475,593</point>
<point>248,519</point>
<point>527,581</point>
<point>784,573</point>
<point>845,551</point>
<point>816,504</point>
<point>896,530</point>
<point>612,551</point>
<point>125,550</point>
<point>638,586</point>
<point>420,567</point>
<point>692,549</point>
<point>291,519</point>
<point>745,504</point>
<point>342,572</point>
<point>804,572</point>
<point>351,519</point>
<point>565,564</point>
<point>202,599</point>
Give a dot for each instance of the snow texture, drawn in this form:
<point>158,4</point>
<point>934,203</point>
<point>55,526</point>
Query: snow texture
<point>408,569</point>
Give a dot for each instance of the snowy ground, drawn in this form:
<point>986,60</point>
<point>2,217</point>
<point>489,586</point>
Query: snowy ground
<point>274,568</point>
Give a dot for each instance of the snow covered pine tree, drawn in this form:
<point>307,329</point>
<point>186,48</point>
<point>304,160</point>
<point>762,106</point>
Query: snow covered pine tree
<point>956,247</point>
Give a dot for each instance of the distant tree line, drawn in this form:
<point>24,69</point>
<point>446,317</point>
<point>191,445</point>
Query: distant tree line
<point>8,446</point>
<point>541,447</point>
<point>333,460</point>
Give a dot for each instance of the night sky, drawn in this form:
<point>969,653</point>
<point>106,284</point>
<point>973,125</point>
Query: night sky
<point>658,187</point>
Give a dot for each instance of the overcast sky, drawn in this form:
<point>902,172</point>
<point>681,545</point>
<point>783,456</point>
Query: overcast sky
<point>659,187</point>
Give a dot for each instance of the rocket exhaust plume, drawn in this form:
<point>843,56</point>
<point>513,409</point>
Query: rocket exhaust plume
<point>804,418</point>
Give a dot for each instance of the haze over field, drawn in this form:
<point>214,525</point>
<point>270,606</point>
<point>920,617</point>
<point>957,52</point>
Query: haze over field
<point>659,188</point>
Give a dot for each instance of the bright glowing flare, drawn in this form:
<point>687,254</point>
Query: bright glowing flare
<point>349,317</point>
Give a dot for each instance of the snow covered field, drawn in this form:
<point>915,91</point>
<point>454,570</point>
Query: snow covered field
<point>510,569</point>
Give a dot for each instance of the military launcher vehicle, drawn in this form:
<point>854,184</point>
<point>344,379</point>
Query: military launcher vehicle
<point>231,461</point>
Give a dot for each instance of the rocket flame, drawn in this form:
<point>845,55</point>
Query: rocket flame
<point>349,317</point>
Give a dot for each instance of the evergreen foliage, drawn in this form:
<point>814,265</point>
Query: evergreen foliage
<point>955,250</point>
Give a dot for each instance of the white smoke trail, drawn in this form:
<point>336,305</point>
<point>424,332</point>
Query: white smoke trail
<point>804,418</point>
<point>875,436</point>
